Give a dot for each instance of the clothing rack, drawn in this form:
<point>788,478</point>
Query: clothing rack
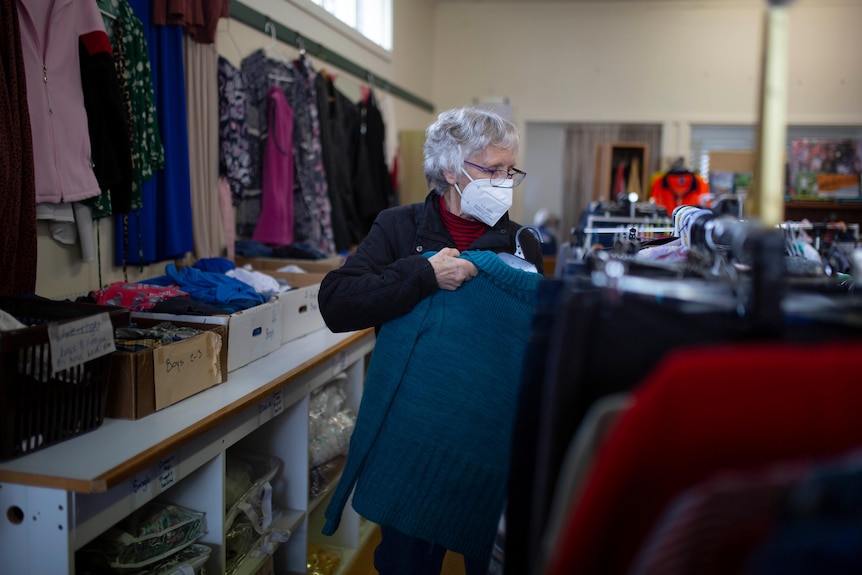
<point>644,225</point>
<point>827,226</point>
<point>258,20</point>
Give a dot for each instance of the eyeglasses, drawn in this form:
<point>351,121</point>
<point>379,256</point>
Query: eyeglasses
<point>499,177</point>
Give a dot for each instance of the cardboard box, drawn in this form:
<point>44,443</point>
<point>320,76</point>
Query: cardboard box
<point>251,333</point>
<point>146,381</point>
<point>273,264</point>
<point>300,310</point>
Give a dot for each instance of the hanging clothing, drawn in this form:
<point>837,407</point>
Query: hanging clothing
<point>577,463</point>
<point>101,205</point>
<point>108,126</point>
<point>679,188</point>
<point>199,18</point>
<point>418,465</point>
<point>386,104</point>
<point>333,146</point>
<point>162,229</point>
<point>344,118</point>
<point>587,359</point>
<point>620,182</point>
<point>693,417</point>
<point>234,159</point>
<point>762,521</point>
<point>201,82</point>
<point>129,43</point>
<point>521,538</point>
<point>50,32</point>
<point>72,95</point>
<point>18,250</point>
<point>131,57</point>
<point>633,186</point>
<point>275,225</point>
<point>372,184</point>
<point>260,73</point>
<point>312,209</point>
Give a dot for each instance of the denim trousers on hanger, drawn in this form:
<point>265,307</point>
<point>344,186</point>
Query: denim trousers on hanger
<point>400,554</point>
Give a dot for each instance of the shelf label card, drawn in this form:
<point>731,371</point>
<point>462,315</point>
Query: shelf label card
<point>156,479</point>
<point>270,407</point>
<point>168,471</point>
<point>76,342</point>
<point>277,403</point>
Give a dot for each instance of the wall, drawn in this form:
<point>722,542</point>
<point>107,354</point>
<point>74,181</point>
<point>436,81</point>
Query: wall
<point>674,62</point>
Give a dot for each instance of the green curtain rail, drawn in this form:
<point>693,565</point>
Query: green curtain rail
<point>255,19</point>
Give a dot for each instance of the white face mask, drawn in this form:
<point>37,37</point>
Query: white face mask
<point>485,202</point>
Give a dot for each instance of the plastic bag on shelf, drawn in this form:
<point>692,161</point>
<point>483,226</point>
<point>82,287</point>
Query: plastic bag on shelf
<point>242,541</point>
<point>325,402</point>
<point>334,440</point>
<point>152,533</point>
<point>184,562</point>
<point>248,488</point>
<point>324,475</point>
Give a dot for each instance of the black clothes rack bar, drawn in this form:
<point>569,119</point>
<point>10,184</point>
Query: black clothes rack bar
<point>255,19</point>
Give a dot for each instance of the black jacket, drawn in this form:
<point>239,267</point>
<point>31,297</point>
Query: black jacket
<point>389,274</point>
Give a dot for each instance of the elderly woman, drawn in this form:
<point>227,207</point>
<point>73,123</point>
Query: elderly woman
<point>430,451</point>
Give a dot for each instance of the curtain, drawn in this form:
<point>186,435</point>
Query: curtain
<point>201,71</point>
<point>580,157</point>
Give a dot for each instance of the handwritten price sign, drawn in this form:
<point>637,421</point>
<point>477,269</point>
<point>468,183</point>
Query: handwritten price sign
<point>77,342</point>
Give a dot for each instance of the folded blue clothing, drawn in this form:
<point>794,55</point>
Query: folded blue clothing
<point>220,265</point>
<point>216,288</point>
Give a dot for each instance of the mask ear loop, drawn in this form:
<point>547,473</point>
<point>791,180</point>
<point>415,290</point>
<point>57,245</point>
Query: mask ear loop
<point>457,187</point>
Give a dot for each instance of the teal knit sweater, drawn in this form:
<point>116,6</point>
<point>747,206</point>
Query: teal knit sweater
<point>429,455</point>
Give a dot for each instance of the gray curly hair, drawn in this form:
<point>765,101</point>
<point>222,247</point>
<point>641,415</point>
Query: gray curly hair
<point>458,134</point>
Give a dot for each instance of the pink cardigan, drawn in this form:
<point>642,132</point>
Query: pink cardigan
<point>61,142</point>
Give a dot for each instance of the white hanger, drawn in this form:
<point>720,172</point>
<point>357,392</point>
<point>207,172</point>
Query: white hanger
<point>106,13</point>
<point>272,47</point>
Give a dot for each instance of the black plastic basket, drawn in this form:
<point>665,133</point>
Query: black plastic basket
<point>40,407</point>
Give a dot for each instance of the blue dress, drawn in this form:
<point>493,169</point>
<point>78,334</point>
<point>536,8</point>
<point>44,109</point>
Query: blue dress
<point>162,228</point>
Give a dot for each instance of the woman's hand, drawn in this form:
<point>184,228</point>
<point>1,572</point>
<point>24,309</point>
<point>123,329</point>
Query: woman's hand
<point>452,271</point>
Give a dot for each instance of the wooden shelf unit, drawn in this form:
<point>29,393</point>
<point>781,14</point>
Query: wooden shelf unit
<point>62,497</point>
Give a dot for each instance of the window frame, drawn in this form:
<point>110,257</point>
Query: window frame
<point>351,32</point>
